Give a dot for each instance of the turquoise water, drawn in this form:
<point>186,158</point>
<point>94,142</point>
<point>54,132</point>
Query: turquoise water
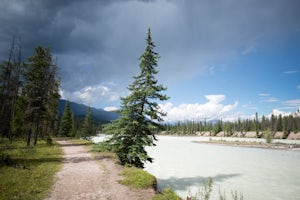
<point>263,174</point>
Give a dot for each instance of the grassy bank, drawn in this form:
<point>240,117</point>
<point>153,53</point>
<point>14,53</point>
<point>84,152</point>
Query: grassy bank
<point>28,172</point>
<point>135,178</point>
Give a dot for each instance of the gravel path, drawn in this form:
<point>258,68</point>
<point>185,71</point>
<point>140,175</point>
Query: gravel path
<point>83,177</point>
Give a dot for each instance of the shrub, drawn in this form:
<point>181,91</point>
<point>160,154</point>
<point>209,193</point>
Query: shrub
<point>103,147</point>
<point>268,136</point>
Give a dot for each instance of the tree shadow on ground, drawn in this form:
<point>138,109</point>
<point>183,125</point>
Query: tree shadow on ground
<point>186,182</point>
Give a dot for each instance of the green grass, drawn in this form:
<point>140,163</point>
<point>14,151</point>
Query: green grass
<point>35,181</point>
<point>137,178</point>
<point>167,194</point>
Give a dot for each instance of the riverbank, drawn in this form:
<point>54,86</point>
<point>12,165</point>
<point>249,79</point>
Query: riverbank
<point>281,146</point>
<point>249,134</point>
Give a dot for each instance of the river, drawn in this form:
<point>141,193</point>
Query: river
<point>260,174</point>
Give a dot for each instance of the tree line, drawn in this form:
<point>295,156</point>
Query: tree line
<point>29,95</point>
<point>72,127</point>
<point>274,123</point>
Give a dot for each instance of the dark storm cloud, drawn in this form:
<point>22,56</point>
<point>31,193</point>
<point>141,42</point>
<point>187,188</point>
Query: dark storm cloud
<point>97,42</point>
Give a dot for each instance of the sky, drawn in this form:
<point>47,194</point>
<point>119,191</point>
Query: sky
<point>219,59</point>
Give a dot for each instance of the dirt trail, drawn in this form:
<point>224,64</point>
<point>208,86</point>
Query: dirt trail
<point>83,177</point>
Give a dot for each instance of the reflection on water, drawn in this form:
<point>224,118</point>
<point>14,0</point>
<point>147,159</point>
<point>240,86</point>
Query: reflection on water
<point>263,174</point>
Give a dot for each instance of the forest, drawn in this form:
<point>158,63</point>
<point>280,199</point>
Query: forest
<point>29,93</point>
<point>29,97</point>
<point>286,124</point>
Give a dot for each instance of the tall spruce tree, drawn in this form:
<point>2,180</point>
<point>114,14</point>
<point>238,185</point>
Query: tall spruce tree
<point>140,113</point>
<point>40,92</point>
<point>66,124</point>
<point>9,89</point>
<point>88,128</point>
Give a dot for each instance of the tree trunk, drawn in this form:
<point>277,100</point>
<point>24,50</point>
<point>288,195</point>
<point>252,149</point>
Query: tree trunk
<point>36,132</point>
<point>28,134</point>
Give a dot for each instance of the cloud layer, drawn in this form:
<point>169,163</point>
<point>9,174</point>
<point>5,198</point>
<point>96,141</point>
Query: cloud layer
<point>100,41</point>
<point>97,43</point>
<point>210,110</point>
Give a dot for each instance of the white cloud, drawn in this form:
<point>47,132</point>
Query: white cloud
<point>292,103</point>
<point>264,95</point>
<point>278,112</point>
<point>111,108</point>
<point>270,100</point>
<point>91,94</point>
<point>212,109</point>
<point>291,72</point>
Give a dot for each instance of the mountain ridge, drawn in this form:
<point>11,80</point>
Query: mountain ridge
<point>79,111</point>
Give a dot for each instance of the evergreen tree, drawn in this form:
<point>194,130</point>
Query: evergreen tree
<point>279,123</point>
<point>9,87</point>
<point>88,128</point>
<point>285,127</point>
<point>140,113</point>
<point>273,121</point>
<point>256,125</point>
<point>51,114</point>
<point>19,122</point>
<point>40,92</point>
<point>263,123</point>
<point>66,124</point>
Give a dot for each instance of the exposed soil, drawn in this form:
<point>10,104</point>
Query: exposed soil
<point>86,177</point>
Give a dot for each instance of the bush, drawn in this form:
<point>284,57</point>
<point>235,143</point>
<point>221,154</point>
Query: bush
<point>268,136</point>
<point>5,160</point>
<point>103,147</point>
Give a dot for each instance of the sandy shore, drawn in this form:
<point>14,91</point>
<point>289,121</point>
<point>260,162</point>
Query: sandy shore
<point>293,147</point>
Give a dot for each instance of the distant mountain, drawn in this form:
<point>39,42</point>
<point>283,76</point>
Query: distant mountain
<point>79,111</point>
